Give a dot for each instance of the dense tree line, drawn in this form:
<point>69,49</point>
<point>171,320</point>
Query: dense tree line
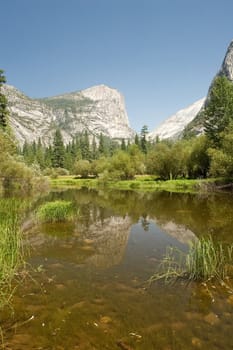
<point>194,157</point>
<point>89,156</point>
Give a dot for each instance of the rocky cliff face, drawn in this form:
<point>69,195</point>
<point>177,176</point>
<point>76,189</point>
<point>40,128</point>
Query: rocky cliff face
<point>227,65</point>
<point>99,109</point>
<point>173,127</point>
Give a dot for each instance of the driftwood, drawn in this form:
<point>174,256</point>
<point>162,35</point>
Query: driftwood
<point>230,185</point>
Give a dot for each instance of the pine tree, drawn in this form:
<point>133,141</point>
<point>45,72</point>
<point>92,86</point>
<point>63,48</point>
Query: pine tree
<point>40,154</point>
<point>94,149</point>
<point>219,111</point>
<point>48,157</point>
<point>3,103</point>
<point>102,147</point>
<point>143,142</point>
<point>123,145</point>
<point>136,140</point>
<point>85,146</point>
<point>58,153</point>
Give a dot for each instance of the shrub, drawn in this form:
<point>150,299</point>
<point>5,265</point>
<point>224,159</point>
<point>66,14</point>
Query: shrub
<point>82,167</point>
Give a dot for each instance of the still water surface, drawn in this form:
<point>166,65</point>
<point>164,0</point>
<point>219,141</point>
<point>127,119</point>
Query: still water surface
<point>87,287</point>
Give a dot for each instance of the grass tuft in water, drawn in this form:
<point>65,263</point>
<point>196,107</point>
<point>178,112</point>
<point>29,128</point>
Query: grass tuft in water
<point>206,260</point>
<point>10,246</point>
<point>55,211</point>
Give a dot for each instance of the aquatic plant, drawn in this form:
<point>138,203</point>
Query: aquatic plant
<point>55,211</point>
<point>206,260</point>
<point>10,246</point>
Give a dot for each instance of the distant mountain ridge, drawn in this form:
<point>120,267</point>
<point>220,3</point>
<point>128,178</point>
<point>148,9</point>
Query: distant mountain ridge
<point>99,109</point>
<point>173,127</point>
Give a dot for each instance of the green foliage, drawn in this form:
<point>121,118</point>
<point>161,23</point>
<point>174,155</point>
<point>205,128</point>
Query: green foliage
<point>123,145</point>
<point>55,211</point>
<point>16,175</point>
<point>208,259</point>
<point>219,110</point>
<point>123,165</point>
<point>3,103</point>
<point>167,160</point>
<point>7,145</point>
<point>198,159</point>
<point>143,140</point>
<point>205,261</point>
<point>222,157</point>
<point>82,167</point>
<point>58,152</point>
<point>10,245</point>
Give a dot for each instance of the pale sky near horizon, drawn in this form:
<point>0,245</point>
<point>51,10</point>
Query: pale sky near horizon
<point>160,54</point>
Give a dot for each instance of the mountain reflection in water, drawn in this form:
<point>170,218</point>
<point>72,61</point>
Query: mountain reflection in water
<point>88,288</point>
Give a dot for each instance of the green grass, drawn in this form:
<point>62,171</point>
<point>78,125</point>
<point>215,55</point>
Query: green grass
<point>140,183</point>
<point>55,211</point>
<point>11,255</point>
<point>206,260</point>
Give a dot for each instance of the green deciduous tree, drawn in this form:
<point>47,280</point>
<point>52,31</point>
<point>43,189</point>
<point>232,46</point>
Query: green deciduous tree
<point>222,158</point>
<point>198,161</point>
<point>82,168</point>
<point>167,160</point>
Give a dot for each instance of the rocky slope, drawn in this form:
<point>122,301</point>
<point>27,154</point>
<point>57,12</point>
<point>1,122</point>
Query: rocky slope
<point>227,65</point>
<point>99,109</point>
<point>173,127</point>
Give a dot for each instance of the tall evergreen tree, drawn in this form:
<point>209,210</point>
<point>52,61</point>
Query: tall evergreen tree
<point>123,145</point>
<point>102,146</point>
<point>3,102</point>
<point>219,111</point>
<point>136,140</point>
<point>58,153</point>
<point>143,142</point>
<point>85,146</point>
<point>94,149</point>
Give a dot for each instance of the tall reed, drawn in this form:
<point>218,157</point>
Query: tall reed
<point>10,245</point>
<point>206,260</point>
<point>55,211</point>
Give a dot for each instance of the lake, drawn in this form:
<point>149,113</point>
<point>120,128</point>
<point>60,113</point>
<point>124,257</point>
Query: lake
<point>87,283</point>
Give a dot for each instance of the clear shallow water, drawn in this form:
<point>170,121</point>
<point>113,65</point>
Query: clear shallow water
<point>87,286</point>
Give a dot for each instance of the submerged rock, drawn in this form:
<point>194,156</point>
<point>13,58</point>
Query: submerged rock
<point>196,342</point>
<point>105,320</point>
<point>211,318</point>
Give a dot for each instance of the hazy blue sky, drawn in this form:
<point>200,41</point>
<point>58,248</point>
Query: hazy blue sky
<point>161,54</point>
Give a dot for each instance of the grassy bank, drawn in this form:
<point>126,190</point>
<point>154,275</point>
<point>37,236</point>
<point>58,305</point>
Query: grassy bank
<point>141,183</point>
<point>10,246</point>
